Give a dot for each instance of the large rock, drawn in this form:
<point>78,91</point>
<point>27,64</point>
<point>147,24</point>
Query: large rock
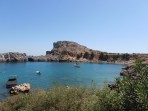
<point>128,70</point>
<point>23,88</point>
<point>13,57</point>
<point>71,51</point>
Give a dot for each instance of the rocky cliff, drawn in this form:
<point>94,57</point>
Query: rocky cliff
<point>13,57</point>
<point>72,51</point>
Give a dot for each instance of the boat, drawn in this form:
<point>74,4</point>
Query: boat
<point>12,81</point>
<point>77,65</point>
<point>38,72</point>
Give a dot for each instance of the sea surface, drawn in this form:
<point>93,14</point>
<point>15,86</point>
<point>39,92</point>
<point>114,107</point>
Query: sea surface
<point>53,73</point>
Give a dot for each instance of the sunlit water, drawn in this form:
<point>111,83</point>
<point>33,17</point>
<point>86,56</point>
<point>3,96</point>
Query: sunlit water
<point>59,73</point>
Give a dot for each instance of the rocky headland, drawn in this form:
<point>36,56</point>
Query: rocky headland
<point>13,57</point>
<point>67,51</point>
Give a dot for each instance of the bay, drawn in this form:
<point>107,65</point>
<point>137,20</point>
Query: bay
<point>57,73</point>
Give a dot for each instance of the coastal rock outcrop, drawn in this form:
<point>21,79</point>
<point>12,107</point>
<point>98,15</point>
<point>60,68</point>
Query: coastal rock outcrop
<point>37,58</point>
<point>23,88</point>
<point>73,52</point>
<point>13,57</point>
<point>128,70</point>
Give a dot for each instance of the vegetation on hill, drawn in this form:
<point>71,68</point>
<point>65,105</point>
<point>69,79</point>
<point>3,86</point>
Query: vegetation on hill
<point>131,94</point>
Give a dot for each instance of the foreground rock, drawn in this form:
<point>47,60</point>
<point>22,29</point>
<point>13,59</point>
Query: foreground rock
<point>13,57</point>
<point>23,88</point>
<point>128,70</point>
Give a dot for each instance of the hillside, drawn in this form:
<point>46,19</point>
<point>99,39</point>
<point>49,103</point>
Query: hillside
<point>13,57</point>
<point>72,51</point>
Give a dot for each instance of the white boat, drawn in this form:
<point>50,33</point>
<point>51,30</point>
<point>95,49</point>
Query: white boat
<point>38,72</point>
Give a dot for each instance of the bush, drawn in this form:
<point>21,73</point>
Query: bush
<point>103,56</point>
<point>133,91</point>
<point>79,56</point>
<point>86,55</point>
<point>125,57</point>
<point>92,56</point>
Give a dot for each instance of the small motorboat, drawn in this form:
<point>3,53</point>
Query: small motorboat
<point>12,81</point>
<point>77,65</point>
<point>38,72</point>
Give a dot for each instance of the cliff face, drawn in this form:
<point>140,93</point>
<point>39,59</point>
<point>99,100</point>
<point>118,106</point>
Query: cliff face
<point>72,52</point>
<point>13,57</point>
<point>66,47</point>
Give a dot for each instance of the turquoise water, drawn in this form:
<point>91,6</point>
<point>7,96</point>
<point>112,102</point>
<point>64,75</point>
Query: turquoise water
<point>59,73</point>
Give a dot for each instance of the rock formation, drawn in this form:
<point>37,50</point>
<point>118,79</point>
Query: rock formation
<point>23,88</point>
<point>37,58</point>
<point>128,70</point>
<point>13,57</point>
<point>74,52</point>
<point>71,51</point>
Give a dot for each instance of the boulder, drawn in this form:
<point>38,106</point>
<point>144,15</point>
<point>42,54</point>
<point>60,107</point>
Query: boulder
<point>128,70</point>
<point>23,88</point>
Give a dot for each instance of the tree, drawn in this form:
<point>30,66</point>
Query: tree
<point>86,55</point>
<point>79,56</point>
<point>115,57</point>
<point>125,57</point>
<point>103,56</point>
<point>92,56</point>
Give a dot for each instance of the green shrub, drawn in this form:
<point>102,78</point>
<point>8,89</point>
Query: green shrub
<point>133,90</point>
<point>86,55</point>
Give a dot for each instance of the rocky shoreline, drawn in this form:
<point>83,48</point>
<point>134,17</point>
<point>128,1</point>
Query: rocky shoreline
<point>67,51</point>
<point>13,57</point>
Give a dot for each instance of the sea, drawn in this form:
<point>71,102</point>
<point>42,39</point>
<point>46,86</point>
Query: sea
<point>55,73</point>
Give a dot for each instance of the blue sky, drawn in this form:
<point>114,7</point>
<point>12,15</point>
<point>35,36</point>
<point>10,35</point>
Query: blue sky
<point>32,26</point>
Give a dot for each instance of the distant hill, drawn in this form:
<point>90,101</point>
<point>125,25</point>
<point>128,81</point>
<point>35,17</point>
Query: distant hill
<point>72,51</point>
